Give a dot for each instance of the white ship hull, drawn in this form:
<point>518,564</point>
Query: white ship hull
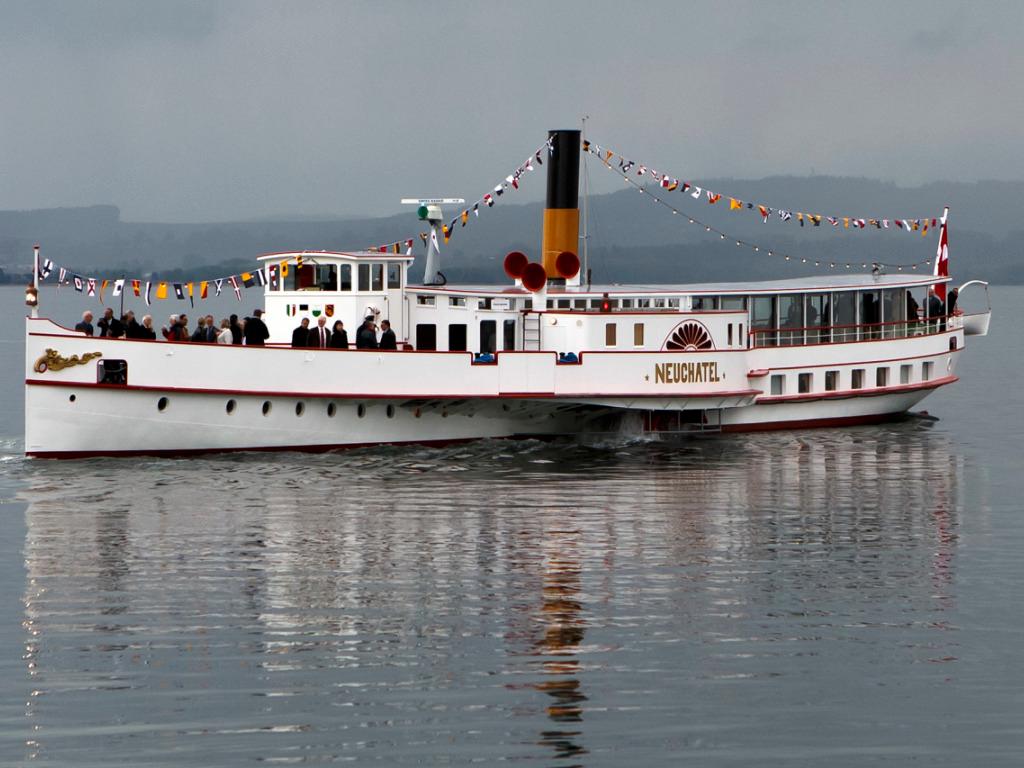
<point>188,398</point>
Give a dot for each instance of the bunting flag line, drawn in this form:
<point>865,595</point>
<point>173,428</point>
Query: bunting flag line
<point>118,287</point>
<point>149,293</point>
<point>45,269</point>
<point>135,287</point>
<point>90,286</point>
<point>665,181</point>
<point>815,219</point>
<point>238,289</point>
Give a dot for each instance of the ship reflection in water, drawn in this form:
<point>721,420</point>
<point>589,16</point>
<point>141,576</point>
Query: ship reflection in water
<point>498,601</point>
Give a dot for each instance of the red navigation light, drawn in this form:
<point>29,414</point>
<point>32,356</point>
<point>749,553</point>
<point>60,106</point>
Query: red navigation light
<point>606,304</point>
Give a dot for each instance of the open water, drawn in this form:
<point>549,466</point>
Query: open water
<point>837,597</point>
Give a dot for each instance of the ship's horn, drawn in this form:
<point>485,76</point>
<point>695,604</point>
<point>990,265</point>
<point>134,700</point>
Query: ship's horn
<point>562,212</point>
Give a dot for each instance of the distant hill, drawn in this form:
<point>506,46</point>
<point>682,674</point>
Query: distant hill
<point>631,239</point>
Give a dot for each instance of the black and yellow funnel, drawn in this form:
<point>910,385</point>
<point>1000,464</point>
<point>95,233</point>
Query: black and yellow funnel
<point>562,212</point>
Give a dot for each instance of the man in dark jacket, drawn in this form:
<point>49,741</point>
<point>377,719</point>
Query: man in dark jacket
<point>366,336</point>
<point>387,336</point>
<point>132,329</point>
<point>300,336</point>
<point>256,330</point>
<point>936,310</point>
<point>109,325</point>
<point>236,330</point>
<point>320,337</point>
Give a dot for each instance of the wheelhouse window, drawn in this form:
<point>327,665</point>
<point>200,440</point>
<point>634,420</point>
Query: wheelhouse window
<point>733,303</point>
<point>871,314</point>
<point>364,278</point>
<point>705,303</point>
<point>816,319</point>
<point>394,275</point>
<point>425,301</point>
<point>456,301</point>
<point>509,332</point>
<point>311,277</point>
<point>844,316</point>
<point>345,276</point>
<point>377,277</point>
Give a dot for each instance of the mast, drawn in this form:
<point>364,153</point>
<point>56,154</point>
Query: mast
<point>586,199</point>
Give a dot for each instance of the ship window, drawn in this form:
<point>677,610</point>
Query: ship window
<point>580,304</point>
<point>360,410</point>
<point>791,316</point>
<point>729,335</point>
<point>394,275</point>
<point>345,270</point>
<point>300,408</point>
<point>563,304</point>
<point>457,337</point>
<point>831,380</point>
<point>844,315</point>
<point>426,336</point>
<point>627,303</point>
<point>331,410</point>
<point>705,303</point>
<point>230,407</point>
<point>364,278</point>
<point>905,374</point>
<point>266,407</point>
<point>609,334</point>
<point>377,277</point>
<point>72,399</point>
<point>881,377</point>
<point>927,369</point>
<point>488,336</point>
<point>734,302</point>
<point>673,303</point>
<point>551,303</point>
<point>425,301</point>
<point>161,404</point>
<point>805,383</point>
<point>739,334</point>
<point>778,384</point>
<point>763,320</point>
<point>659,303</point>
<point>857,378</point>
<point>638,334</point>
<point>456,301</point>
<point>510,334</point>
<point>390,411</point>
<point>112,372</point>
<point>643,303</point>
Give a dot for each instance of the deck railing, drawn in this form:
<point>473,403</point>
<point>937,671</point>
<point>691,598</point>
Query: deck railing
<point>833,334</point>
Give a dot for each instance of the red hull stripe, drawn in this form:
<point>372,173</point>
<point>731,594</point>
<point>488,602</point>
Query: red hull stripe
<point>378,396</point>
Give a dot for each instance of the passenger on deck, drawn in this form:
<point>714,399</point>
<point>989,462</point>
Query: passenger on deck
<point>951,298</point>
<point>86,325</point>
<point>183,333</point>
<point>211,330</point>
<point>132,329</point>
<point>300,336</point>
<point>236,330</point>
<point>320,337</point>
<point>366,336</point>
<point>109,325</point>
<point>339,336</point>
<point>224,335</point>
<point>146,331</point>
<point>913,313</point>
<point>387,336</point>
<point>936,311</point>
<point>256,330</point>
<point>172,330</point>
<point>200,333</point>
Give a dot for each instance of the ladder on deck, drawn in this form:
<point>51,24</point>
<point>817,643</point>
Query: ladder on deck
<point>531,331</point>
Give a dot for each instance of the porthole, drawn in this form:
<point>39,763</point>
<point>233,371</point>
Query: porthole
<point>266,407</point>
<point>361,410</point>
<point>300,408</point>
<point>161,404</point>
<point>331,409</point>
<point>230,407</point>
<point>72,399</point>
<point>391,411</point>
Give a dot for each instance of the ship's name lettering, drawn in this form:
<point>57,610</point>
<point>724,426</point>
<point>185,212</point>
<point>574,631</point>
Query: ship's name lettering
<point>686,373</point>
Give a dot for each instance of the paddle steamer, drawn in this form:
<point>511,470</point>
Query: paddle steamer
<point>543,354</point>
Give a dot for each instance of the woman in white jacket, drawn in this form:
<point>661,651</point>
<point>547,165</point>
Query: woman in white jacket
<point>224,334</point>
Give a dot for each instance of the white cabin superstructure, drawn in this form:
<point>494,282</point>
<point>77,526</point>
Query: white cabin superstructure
<point>537,356</point>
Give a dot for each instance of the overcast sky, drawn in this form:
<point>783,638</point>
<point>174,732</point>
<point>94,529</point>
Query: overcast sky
<point>237,109</point>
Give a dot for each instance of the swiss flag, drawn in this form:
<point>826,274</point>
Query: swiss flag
<point>942,257</point>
